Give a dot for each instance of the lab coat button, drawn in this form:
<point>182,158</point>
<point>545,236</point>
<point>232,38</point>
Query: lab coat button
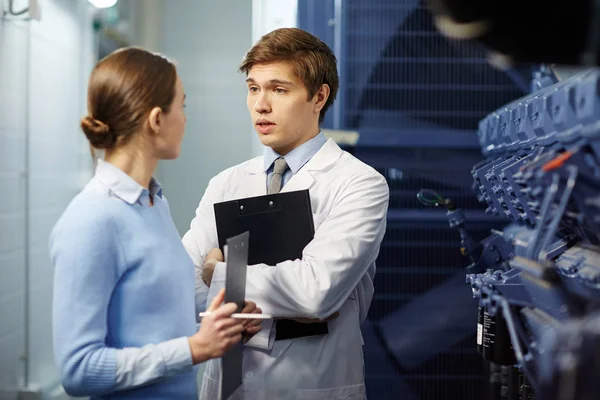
<point>249,375</point>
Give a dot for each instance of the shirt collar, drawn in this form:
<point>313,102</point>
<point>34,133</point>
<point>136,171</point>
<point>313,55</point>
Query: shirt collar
<point>124,186</point>
<point>296,158</point>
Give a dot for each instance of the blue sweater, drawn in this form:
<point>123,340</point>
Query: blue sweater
<point>123,294</point>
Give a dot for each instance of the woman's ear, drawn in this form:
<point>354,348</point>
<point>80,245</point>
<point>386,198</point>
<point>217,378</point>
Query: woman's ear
<point>155,119</point>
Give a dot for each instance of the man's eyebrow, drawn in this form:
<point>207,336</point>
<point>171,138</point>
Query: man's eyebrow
<point>273,82</point>
<point>281,82</point>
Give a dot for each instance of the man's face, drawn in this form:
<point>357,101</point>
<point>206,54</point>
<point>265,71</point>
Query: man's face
<point>281,112</point>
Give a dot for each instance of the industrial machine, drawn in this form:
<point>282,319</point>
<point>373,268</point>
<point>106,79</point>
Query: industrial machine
<point>537,281</point>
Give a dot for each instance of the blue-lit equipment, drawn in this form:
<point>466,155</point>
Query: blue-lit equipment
<point>537,281</point>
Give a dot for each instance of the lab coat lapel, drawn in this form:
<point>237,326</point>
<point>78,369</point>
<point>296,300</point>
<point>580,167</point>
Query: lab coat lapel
<point>325,157</point>
<point>302,180</point>
<point>256,179</point>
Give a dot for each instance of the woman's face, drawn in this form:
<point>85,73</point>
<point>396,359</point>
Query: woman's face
<point>168,143</point>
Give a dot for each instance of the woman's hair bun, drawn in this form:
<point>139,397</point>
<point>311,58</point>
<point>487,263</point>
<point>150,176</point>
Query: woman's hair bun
<point>98,133</point>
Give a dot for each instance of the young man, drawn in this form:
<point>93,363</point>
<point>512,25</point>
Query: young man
<point>292,80</point>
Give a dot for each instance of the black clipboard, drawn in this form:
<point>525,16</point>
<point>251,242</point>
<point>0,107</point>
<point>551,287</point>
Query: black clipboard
<point>280,225</point>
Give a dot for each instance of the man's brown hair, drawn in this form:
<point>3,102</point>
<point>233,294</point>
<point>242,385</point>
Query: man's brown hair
<point>311,59</point>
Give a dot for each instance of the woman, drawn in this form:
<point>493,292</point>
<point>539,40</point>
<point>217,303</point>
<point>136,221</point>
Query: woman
<point>123,312</point>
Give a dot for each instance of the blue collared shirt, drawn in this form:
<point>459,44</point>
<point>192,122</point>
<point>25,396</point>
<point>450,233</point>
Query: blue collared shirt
<point>295,159</point>
<point>124,187</point>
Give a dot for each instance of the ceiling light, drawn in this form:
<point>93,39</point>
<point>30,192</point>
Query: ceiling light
<point>103,3</point>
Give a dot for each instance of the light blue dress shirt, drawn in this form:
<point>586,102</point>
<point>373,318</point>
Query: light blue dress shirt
<point>295,159</point>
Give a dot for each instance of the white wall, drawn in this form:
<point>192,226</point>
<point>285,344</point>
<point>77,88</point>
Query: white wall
<point>208,39</point>
<point>44,162</point>
<point>268,15</point>
<point>146,19</point>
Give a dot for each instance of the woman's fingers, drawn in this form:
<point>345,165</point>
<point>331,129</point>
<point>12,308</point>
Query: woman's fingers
<point>217,301</point>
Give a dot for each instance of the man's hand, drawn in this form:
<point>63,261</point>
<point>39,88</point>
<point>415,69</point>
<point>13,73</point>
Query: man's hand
<point>251,326</point>
<point>212,258</point>
<point>314,320</point>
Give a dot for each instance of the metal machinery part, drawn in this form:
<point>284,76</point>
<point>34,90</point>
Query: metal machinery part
<point>537,281</point>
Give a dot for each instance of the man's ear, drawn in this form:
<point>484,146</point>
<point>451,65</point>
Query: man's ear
<point>155,119</point>
<point>321,97</point>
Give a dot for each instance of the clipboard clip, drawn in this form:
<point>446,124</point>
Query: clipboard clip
<point>259,205</point>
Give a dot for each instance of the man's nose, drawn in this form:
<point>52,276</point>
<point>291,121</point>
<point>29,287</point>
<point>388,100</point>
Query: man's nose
<point>262,104</point>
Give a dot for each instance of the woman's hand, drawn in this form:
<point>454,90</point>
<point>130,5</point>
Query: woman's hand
<point>218,331</point>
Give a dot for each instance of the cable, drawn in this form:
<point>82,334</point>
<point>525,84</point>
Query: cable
<point>13,12</point>
<point>430,198</point>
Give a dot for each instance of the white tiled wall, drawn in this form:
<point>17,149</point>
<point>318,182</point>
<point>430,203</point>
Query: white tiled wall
<point>13,80</point>
<point>43,70</point>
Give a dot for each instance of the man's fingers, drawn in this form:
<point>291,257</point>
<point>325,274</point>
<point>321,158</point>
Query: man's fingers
<point>249,307</point>
<point>225,310</point>
<point>217,300</point>
<point>215,254</point>
<point>254,322</point>
<point>253,330</point>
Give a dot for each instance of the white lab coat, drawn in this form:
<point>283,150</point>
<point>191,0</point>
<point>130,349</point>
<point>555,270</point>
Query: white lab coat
<point>349,200</point>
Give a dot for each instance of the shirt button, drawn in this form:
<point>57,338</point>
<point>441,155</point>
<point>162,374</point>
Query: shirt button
<point>249,375</point>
